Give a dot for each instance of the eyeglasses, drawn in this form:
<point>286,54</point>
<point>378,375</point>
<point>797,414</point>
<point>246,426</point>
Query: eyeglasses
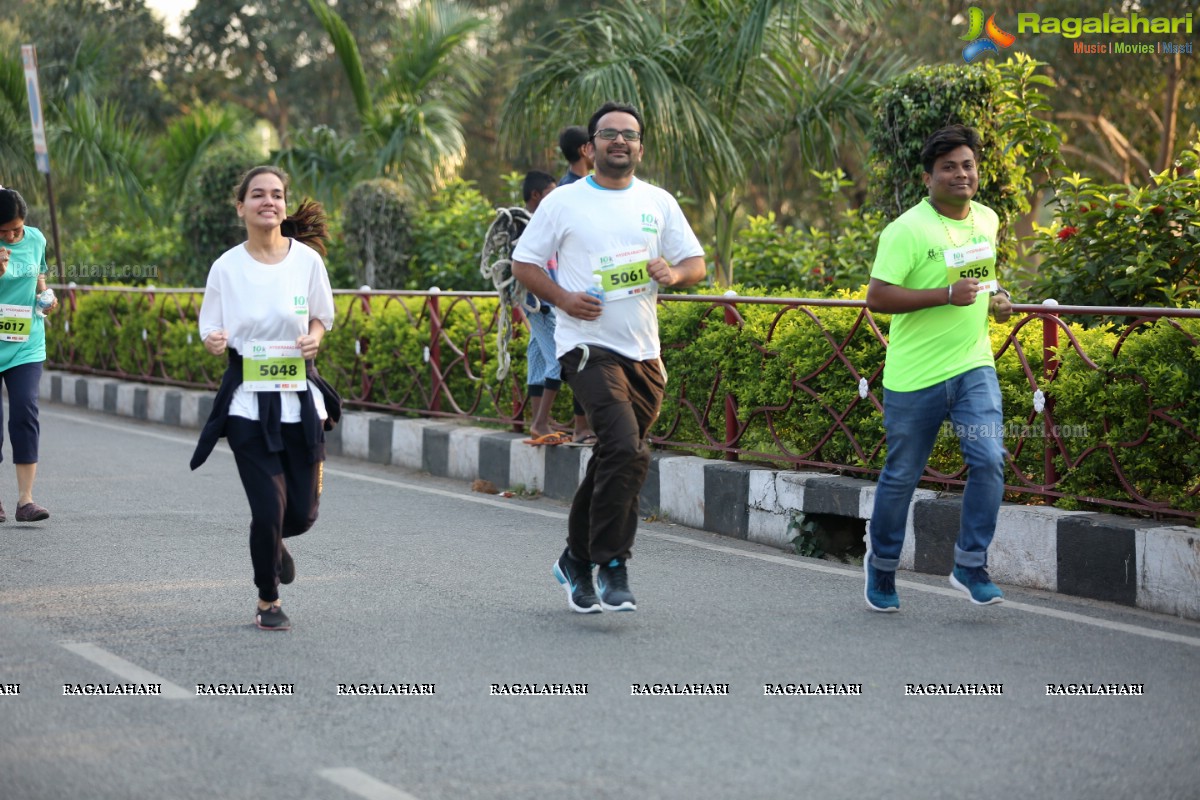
<point>610,134</point>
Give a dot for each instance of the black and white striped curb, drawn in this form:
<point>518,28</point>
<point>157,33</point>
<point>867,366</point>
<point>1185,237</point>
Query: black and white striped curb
<point>1126,560</point>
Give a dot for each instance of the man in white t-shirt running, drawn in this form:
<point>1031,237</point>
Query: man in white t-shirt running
<point>630,237</point>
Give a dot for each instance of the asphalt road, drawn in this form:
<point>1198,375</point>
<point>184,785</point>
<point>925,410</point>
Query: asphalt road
<point>142,577</point>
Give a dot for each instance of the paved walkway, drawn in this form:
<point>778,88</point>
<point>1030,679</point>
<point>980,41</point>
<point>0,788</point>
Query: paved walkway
<point>141,578</point>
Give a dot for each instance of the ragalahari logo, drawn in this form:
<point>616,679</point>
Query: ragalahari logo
<point>983,38</point>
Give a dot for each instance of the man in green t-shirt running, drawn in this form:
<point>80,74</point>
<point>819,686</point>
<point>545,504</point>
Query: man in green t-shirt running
<point>935,272</point>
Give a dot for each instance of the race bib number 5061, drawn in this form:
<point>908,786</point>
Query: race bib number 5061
<point>623,273</point>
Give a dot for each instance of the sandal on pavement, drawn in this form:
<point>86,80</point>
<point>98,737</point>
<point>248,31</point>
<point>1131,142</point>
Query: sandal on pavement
<point>557,437</point>
<point>31,512</point>
<point>584,441</point>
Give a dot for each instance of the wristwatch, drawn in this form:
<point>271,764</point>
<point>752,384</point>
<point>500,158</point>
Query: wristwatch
<point>1001,290</point>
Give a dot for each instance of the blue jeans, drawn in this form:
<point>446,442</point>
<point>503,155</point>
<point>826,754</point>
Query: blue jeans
<point>913,420</point>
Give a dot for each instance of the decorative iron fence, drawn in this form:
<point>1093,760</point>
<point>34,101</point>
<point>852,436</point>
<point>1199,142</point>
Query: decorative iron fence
<point>1094,416</point>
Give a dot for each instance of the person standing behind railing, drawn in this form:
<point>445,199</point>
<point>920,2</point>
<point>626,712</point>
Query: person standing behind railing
<point>934,270</point>
<point>543,374</point>
<point>268,303</point>
<point>22,344</point>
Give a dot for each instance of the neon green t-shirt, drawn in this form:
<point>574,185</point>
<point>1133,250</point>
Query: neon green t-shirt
<point>18,288</point>
<point>933,345</point>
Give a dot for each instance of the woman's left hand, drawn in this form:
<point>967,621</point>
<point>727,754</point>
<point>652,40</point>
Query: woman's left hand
<point>308,345</point>
<point>53,307</point>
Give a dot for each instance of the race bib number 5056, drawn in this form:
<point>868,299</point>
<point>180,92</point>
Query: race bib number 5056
<point>973,261</point>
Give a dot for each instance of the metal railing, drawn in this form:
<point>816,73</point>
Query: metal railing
<point>433,354</point>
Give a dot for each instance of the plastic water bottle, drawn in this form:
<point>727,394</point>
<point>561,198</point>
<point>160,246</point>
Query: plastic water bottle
<point>596,290</point>
<point>44,301</point>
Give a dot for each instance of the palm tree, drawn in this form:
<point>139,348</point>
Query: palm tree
<point>722,85</point>
<point>182,146</point>
<point>410,116</point>
<point>88,142</point>
<point>16,138</point>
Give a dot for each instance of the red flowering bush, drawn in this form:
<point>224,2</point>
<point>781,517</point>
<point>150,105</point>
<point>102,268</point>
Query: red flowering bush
<point>1120,245</point>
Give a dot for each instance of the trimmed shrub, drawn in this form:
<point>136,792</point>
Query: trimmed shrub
<point>448,238</point>
<point>377,225</point>
<point>838,254</point>
<point>996,100</point>
<point>209,223</point>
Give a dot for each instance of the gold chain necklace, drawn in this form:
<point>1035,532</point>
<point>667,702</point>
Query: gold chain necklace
<point>941,219</point>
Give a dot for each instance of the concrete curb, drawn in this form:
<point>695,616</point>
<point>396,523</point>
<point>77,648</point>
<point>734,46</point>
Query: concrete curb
<point>1134,562</point>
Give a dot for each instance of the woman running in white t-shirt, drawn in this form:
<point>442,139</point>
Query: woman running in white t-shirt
<point>267,304</point>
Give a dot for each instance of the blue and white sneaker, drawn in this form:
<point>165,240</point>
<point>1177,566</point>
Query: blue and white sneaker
<point>977,585</point>
<point>613,581</point>
<point>576,578</point>
<point>880,589</point>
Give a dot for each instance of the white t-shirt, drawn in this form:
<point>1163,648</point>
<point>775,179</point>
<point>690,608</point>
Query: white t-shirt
<point>252,301</point>
<point>593,229</point>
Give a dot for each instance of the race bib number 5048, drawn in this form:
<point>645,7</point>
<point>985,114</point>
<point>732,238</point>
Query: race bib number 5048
<point>273,367</point>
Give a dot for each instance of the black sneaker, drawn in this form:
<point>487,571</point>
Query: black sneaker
<point>273,619</point>
<point>287,572</point>
<point>613,582</point>
<point>576,578</point>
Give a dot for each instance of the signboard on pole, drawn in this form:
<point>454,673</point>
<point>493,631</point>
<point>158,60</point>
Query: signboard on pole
<point>29,60</point>
<point>40,151</point>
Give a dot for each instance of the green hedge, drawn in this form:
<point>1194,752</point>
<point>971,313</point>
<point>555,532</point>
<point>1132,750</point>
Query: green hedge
<point>765,368</point>
<point>375,357</point>
<point>1145,390</point>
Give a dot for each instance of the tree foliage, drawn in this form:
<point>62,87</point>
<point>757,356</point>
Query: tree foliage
<point>996,101</point>
<point>834,251</point>
<point>717,83</point>
<point>1121,245</point>
<point>410,114</point>
<point>1123,117</point>
<point>105,50</point>
<point>268,57</point>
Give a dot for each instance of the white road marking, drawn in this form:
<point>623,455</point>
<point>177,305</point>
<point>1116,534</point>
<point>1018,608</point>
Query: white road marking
<point>125,670</point>
<point>508,505</point>
<point>122,428</point>
<point>945,591</point>
<point>782,560</point>
<point>361,784</point>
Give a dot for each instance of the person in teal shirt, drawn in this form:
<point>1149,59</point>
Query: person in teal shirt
<point>22,344</point>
